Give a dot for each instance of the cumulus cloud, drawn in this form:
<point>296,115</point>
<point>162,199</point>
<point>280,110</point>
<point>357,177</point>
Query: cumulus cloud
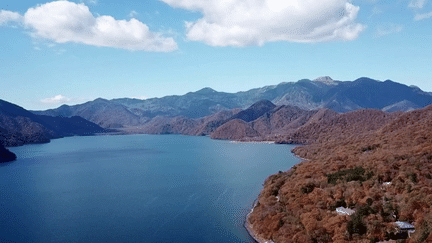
<point>419,16</point>
<point>417,4</point>
<point>384,30</point>
<point>58,99</point>
<point>9,17</point>
<point>64,21</point>
<point>254,22</point>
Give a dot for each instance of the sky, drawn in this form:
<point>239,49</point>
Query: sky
<point>71,52</point>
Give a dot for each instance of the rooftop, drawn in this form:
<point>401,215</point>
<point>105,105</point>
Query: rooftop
<point>404,225</point>
<point>344,211</point>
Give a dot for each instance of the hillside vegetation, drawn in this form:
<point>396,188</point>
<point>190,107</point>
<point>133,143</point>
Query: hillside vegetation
<point>377,163</point>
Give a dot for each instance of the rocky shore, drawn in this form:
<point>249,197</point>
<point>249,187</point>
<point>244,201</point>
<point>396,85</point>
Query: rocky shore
<point>250,229</point>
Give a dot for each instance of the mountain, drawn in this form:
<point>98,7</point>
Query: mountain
<point>254,111</point>
<point>368,93</point>
<point>182,125</point>
<point>235,130</point>
<point>261,121</point>
<point>281,120</point>
<point>339,125</point>
<point>105,113</point>
<point>272,122</point>
<point>326,80</point>
<point>323,92</point>
<point>19,126</point>
<point>193,104</point>
<point>266,121</point>
<point>404,105</point>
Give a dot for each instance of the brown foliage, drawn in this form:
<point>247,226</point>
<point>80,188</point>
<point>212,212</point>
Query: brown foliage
<point>299,205</point>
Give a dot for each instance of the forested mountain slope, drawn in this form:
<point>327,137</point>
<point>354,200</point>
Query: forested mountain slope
<point>378,164</point>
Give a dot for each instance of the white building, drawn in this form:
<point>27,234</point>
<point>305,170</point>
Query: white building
<point>344,211</point>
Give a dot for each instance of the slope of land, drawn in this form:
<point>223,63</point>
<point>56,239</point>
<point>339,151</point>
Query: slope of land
<point>269,126</point>
<point>376,163</point>
<point>182,125</point>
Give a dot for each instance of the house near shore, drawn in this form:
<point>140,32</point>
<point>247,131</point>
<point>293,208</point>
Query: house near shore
<point>344,211</point>
<point>405,228</point>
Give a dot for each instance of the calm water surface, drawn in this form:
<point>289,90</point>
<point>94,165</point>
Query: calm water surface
<point>137,188</point>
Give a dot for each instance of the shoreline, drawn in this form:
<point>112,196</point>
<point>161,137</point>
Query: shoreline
<point>251,142</point>
<point>249,228</point>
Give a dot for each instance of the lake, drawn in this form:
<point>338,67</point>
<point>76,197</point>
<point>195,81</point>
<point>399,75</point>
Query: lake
<point>135,188</point>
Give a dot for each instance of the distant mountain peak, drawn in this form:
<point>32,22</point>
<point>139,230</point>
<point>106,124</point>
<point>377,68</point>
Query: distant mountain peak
<point>206,90</point>
<point>101,100</point>
<point>255,111</point>
<point>263,103</point>
<point>326,80</point>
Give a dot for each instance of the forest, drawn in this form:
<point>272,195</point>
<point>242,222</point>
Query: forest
<point>375,163</point>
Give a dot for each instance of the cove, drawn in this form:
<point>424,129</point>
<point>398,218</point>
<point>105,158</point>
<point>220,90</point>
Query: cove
<point>135,188</point>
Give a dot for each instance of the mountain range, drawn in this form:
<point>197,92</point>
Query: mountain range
<point>323,92</point>
<point>267,113</point>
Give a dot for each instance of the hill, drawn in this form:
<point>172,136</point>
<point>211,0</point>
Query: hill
<point>105,113</point>
<point>275,122</point>
<point>254,111</point>
<point>19,126</point>
<point>182,125</point>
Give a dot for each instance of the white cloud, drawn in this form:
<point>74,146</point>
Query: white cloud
<point>418,16</point>
<point>376,11</point>
<point>58,99</point>
<point>9,17</point>
<point>133,14</point>
<point>254,22</point>
<point>389,29</point>
<point>417,4</point>
<point>64,21</point>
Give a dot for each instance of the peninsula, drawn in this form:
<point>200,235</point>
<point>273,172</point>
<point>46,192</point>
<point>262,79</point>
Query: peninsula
<point>376,164</point>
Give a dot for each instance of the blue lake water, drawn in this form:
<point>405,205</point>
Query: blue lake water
<point>136,188</point>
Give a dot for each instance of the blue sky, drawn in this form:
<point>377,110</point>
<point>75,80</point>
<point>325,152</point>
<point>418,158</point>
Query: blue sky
<point>75,51</point>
